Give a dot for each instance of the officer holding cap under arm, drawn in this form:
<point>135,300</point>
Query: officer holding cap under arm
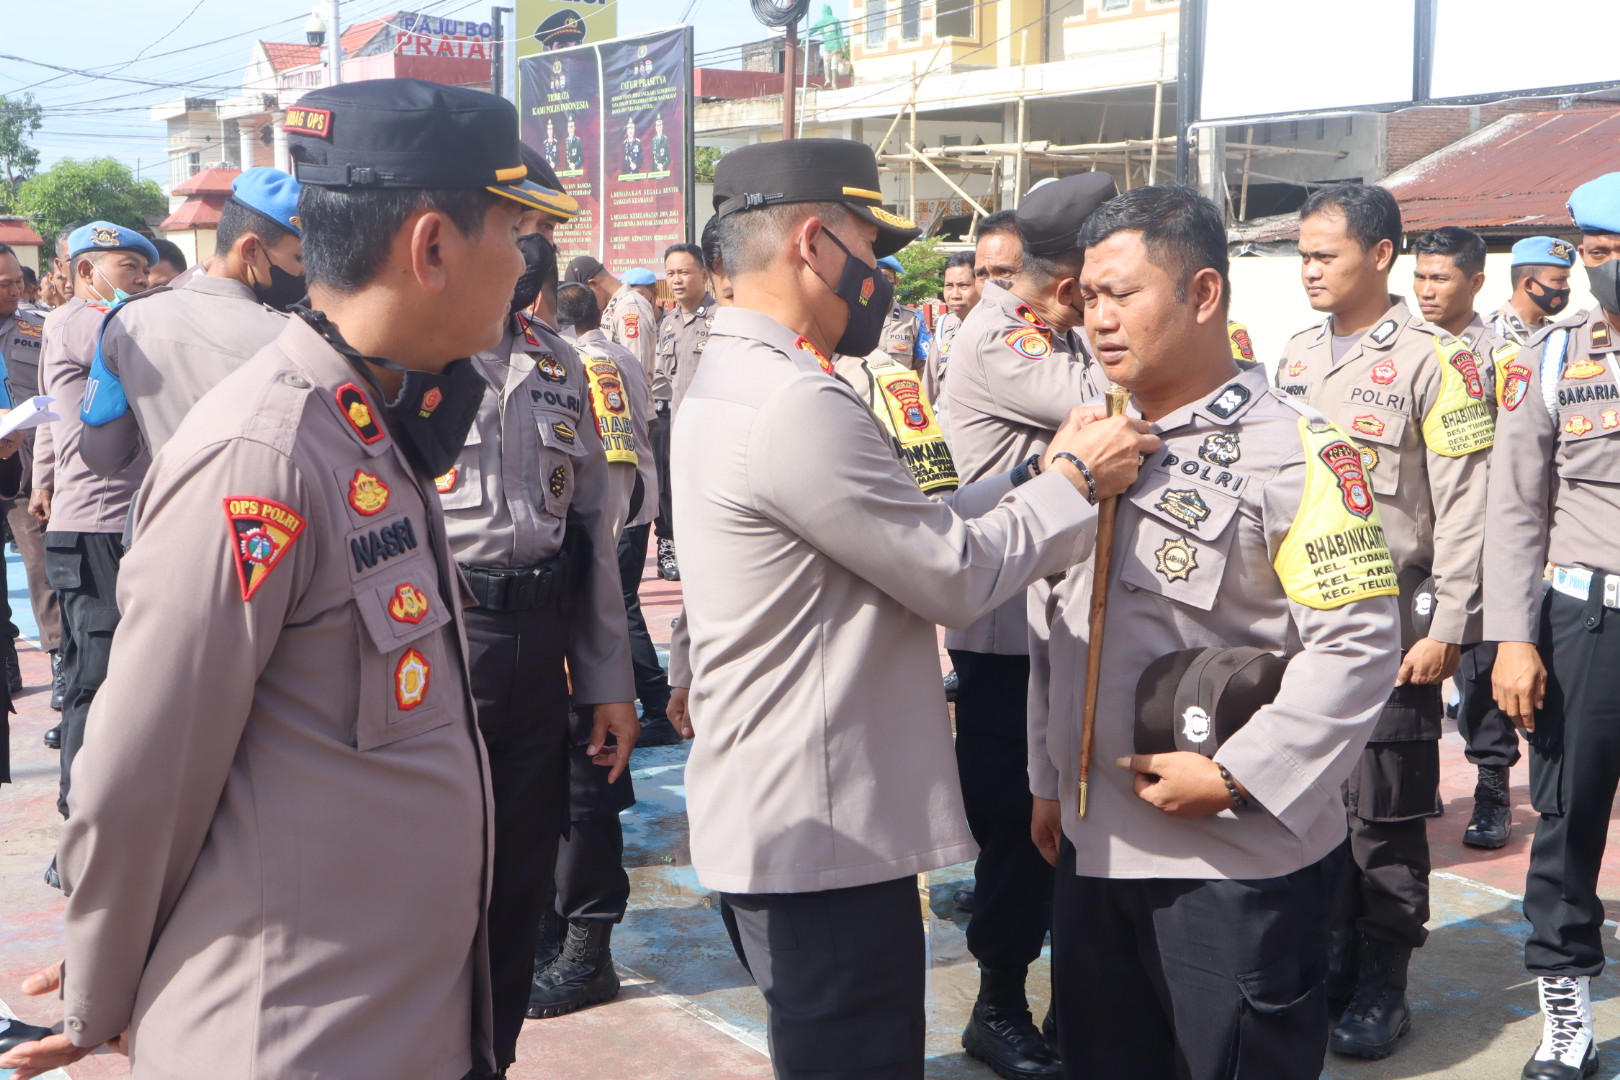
<point>821,781</point>
<point>333,789</point>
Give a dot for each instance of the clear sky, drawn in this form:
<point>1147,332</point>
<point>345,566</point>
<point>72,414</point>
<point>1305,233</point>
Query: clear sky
<point>159,50</point>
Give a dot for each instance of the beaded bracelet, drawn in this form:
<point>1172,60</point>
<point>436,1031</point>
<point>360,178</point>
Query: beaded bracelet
<point>1238,801</point>
<point>1091,481</point>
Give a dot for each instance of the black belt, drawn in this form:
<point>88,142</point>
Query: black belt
<point>502,589</point>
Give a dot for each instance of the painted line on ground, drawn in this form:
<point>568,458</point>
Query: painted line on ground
<point>1493,890</point>
<point>687,1005</point>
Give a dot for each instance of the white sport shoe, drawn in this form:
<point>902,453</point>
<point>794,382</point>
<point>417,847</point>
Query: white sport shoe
<point>1568,1050</point>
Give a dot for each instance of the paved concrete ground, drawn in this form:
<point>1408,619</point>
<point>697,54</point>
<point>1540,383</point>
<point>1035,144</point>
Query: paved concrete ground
<point>689,1010</point>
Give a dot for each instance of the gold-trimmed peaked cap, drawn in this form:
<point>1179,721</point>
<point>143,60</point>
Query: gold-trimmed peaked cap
<point>408,133</point>
<point>810,170</point>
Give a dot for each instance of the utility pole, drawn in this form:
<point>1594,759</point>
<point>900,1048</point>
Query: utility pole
<point>497,55</point>
<point>790,58</point>
<point>334,51</point>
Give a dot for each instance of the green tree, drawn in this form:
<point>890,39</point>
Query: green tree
<point>100,188</point>
<point>703,159</point>
<point>924,273</point>
<point>20,117</point>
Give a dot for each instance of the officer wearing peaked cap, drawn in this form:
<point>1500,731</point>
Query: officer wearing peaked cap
<point>1540,275</point>
<point>820,782</point>
<point>1555,497</point>
<point>1018,364</point>
<point>314,667</point>
<point>155,358</point>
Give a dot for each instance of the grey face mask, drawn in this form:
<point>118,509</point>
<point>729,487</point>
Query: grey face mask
<point>1604,281</point>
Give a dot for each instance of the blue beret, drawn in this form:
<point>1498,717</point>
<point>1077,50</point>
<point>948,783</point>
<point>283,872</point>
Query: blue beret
<point>105,236</point>
<point>639,276</point>
<point>1595,205</point>
<point>889,262</point>
<point>1543,251</point>
<point>272,193</point>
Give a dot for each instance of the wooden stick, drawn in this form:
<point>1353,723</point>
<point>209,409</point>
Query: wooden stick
<point>1117,399</point>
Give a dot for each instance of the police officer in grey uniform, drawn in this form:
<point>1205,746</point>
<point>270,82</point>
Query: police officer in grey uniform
<point>821,780</point>
<point>1555,497</point>
<point>1540,274</point>
<point>684,332</point>
<point>1020,362</point>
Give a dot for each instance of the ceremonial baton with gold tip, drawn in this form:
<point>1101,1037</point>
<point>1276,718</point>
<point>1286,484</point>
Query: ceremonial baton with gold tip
<point>1116,398</point>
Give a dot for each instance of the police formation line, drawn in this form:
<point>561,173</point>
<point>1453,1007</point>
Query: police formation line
<point>1199,635</point>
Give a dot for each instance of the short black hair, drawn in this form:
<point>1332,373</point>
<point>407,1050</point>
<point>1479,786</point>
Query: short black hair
<point>169,252</point>
<point>686,249</point>
<point>68,230</point>
<point>1182,231</point>
<point>711,246</point>
<point>1370,212</point>
<point>1002,221</point>
<point>238,219</point>
<point>347,234</point>
<point>7,249</point>
<point>1465,247</point>
<point>577,307</point>
<point>1045,269</point>
<point>960,258</point>
<point>30,277</point>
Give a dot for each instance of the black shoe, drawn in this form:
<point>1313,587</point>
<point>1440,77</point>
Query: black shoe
<point>582,974</point>
<point>53,737</point>
<point>963,899</point>
<point>52,878</point>
<point>953,682</point>
<point>658,732</point>
<point>668,568</point>
<point>13,1033</point>
<point>1568,1047</point>
<point>1377,1015</point>
<point>1492,822</point>
<point>58,681</point>
<point>1003,1035</point>
<point>14,681</point>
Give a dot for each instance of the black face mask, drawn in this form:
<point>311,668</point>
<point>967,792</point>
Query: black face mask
<point>1549,300</point>
<point>434,410</point>
<point>539,270</point>
<point>868,295</point>
<point>1604,280</point>
<point>283,291</point>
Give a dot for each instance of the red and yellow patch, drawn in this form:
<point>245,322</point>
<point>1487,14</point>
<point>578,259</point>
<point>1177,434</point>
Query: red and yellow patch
<point>1611,419</point>
<point>408,604</point>
<point>1584,368</point>
<point>430,402</point>
<point>357,411</point>
<point>30,329</point>
<point>1383,372</point>
<point>1577,425</point>
<point>411,677</point>
<point>1029,342</point>
<point>1345,461</point>
<point>1242,346</point>
<point>1027,313</point>
<point>447,483</point>
<point>632,326</point>
<point>1368,425</point>
<point>260,532</point>
<point>529,336</point>
<point>306,121</point>
<point>803,344</point>
<point>367,494</point>
<point>1467,365</point>
<point>1515,378</point>
<point>1296,369</point>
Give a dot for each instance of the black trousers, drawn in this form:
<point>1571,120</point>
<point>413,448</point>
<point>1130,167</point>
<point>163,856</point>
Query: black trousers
<point>590,881</point>
<point>521,691</point>
<point>83,569</point>
<point>659,429</point>
<point>842,972</point>
<point>1012,903</point>
<point>1169,979</point>
<point>1491,738</point>
<point>1574,769</point>
<point>652,684</point>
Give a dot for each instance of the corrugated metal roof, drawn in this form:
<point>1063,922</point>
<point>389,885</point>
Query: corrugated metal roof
<point>1514,175</point>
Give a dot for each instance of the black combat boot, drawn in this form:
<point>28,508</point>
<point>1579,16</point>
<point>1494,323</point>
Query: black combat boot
<point>1492,822</point>
<point>1341,973</point>
<point>58,681</point>
<point>548,941</point>
<point>1377,1015</point>
<point>1568,1048</point>
<point>1003,1035</point>
<point>581,975</point>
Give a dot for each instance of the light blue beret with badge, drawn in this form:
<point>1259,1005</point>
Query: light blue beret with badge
<point>272,193</point>
<point>105,236</point>
<point>889,262</point>
<point>1595,205</point>
<point>1543,251</point>
<point>639,276</point>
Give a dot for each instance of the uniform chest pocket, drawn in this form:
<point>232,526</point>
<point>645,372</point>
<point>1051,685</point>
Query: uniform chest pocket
<point>1182,536</point>
<point>562,443</point>
<point>1587,448</point>
<point>1380,433</point>
<point>407,683</point>
<point>462,487</point>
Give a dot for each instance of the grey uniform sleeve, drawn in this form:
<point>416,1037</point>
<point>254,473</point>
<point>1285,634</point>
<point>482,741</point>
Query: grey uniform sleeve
<point>1044,778</point>
<point>44,445</point>
<point>1519,487</point>
<point>680,653</point>
<point>832,479</point>
<point>1038,392</point>
<point>115,445</point>
<point>599,652</point>
<point>1294,754</point>
<point>163,737</point>
<point>1457,490</point>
